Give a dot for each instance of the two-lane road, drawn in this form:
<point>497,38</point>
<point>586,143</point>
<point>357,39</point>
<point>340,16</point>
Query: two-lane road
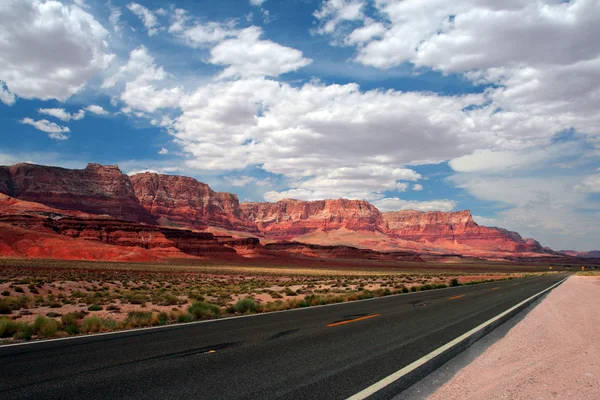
<point>329,352</point>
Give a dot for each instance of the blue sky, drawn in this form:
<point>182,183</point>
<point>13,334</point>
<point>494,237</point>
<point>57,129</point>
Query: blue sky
<point>424,105</point>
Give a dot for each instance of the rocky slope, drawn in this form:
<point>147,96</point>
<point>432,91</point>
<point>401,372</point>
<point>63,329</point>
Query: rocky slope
<point>454,230</point>
<point>290,218</point>
<point>182,201</point>
<point>97,189</point>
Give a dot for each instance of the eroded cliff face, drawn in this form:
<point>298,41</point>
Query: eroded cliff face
<point>97,189</point>
<point>182,201</point>
<point>453,229</point>
<point>290,218</point>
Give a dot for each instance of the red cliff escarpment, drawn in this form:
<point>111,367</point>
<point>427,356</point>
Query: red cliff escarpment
<point>290,218</point>
<point>182,201</point>
<point>97,189</point>
<point>453,230</point>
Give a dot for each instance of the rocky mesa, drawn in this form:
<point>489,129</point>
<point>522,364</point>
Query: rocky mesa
<point>184,202</point>
<point>290,218</point>
<point>97,189</point>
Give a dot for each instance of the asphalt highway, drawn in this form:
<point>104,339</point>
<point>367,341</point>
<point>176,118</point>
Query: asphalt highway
<point>327,352</point>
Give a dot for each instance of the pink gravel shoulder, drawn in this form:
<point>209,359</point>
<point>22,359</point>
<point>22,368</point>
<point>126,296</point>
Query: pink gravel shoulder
<point>553,353</point>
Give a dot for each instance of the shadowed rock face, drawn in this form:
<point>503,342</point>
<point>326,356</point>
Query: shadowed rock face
<point>183,201</point>
<point>289,218</point>
<point>97,189</point>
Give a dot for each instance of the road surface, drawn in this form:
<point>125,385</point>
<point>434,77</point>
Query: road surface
<point>329,352</point>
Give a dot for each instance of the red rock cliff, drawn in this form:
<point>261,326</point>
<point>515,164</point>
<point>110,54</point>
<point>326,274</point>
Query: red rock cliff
<point>97,189</point>
<point>183,201</point>
<point>290,218</point>
<point>456,227</point>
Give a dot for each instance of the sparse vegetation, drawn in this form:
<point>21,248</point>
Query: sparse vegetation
<point>69,298</point>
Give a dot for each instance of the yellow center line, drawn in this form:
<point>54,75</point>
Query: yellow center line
<point>353,320</point>
<point>456,297</point>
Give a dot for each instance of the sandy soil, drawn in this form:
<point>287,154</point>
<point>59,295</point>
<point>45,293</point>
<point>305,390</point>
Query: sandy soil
<point>553,353</point>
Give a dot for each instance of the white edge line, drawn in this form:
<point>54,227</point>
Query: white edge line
<point>186,324</point>
<point>363,394</point>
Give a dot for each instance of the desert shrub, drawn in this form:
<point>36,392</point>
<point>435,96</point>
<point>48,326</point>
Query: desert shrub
<point>405,289</point>
<point>162,318</point>
<point>5,293</point>
<point>425,287</point>
<point>19,289</point>
<point>53,314</point>
<point>289,292</point>
<point>45,327</point>
<point>8,327</point>
<point>5,307</point>
<point>246,306</point>
<point>454,282</point>
<point>413,288</point>
<point>184,317</point>
<point>97,324</point>
<point>200,310</point>
<point>137,319</point>
<point>24,331</point>
<point>441,286</point>
<point>95,307</point>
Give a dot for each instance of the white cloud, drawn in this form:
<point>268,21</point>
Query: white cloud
<point>140,76</point>
<point>55,131</point>
<point>114,18</point>
<point>6,97</point>
<point>200,33</point>
<point>416,187</point>
<point>257,3</point>
<point>61,114</point>
<point>49,50</point>
<point>240,180</point>
<point>334,12</point>
<point>163,151</point>
<point>148,18</point>
<point>248,55</point>
<point>98,110</point>
<point>590,183</point>
<point>494,161</point>
<point>395,204</point>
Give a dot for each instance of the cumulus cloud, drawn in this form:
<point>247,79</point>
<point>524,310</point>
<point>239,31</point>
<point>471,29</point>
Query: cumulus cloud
<point>61,114</point>
<point>200,33</point>
<point>54,131</point>
<point>248,55</point>
<point>95,109</point>
<point>49,50</point>
<point>140,75</point>
<point>334,12</point>
<point>417,187</point>
<point>240,180</point>
<point>591,183</point>
<point>396,204</point>
<point>146,16</point>
<point>163,151</point>
<point>257,3</point>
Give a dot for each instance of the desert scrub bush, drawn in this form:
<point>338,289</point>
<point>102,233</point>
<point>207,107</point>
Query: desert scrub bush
<point>5,307</point>
<point>8,327</point>
<point>5,293</point>
<point>95,307</point>
<point>289,292</point>
<point>200,310</point>
<point>97,324</point>
<point>24,331</point>
<point>138,319</point>
<point>184,317</point>
<point>454,282</point>
<point>245,306</point>
<point>45,327</point>
<point>162,318</point>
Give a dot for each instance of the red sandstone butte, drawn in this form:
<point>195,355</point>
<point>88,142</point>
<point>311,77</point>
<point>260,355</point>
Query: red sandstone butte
<point>182,201</point>
<point>97,189</point>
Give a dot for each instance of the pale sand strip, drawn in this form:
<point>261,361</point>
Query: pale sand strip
<point>553,353</point>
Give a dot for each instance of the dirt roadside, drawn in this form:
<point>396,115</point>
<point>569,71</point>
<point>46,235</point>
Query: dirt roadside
<point>553,353</point>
